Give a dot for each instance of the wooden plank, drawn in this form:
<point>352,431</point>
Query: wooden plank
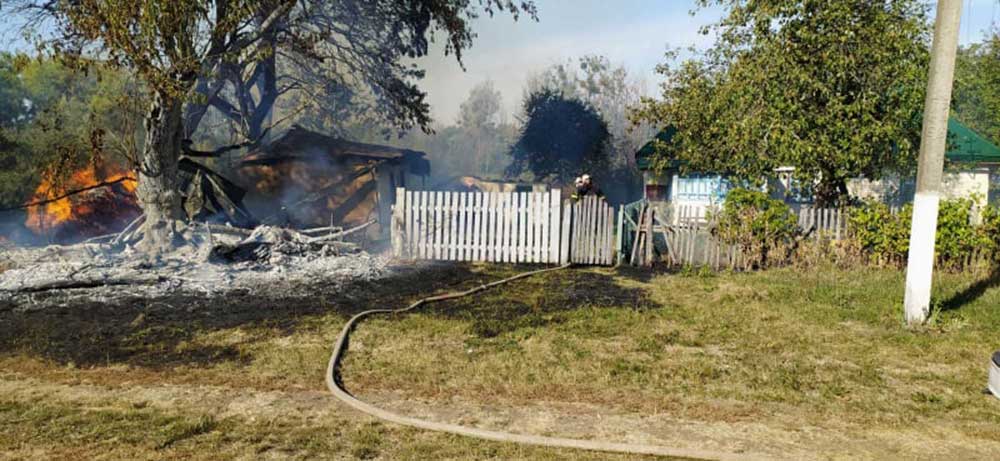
<point>409,225</point>
<point>592,243</point>
<point>605,233</point>
<point>512,233</point>
<point>492,232</point>
<point>503,246</point>
<point>609,224</point>
<point>477,225</point>
<point>599,233</point>
<point>564,232</point>
<point>598,225</point>
<point>467,219</point>
<point>584,231</point>
<point>429,226</point>
<point>518,228</point>
<point>500,245</point>
<point>534,230</point>
<point>460,223</point>
<point>452,226</point>
<point>484,235</point>
<point>474,221</point>
<point>542,235</point>
<point>521,243</point>
<point>438,234</point>
<point>555,225</point>
<point>543,225</point>
<point>446,234</point>
<point>528,231</point>
<point>423,227</point>
<point>577,218</point>
<point>417,221</point>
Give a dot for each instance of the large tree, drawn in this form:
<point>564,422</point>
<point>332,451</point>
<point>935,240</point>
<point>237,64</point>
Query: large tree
<point>175,44</point>
<point>612,92</point>
<point>562,137</point>
<point>833,88</point>
<point>976,100</point>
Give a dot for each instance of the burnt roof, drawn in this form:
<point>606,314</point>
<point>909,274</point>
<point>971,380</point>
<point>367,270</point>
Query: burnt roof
<point>299,143</point>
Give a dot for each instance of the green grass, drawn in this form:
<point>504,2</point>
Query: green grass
<point>815,356</point>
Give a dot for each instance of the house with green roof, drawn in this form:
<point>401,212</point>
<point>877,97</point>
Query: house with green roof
<point>972,168</point>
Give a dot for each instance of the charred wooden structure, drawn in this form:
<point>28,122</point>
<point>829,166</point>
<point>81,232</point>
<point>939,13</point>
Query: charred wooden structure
<point>306,179</point>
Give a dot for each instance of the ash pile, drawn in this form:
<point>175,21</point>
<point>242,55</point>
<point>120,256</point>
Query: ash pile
<point>210,260</point>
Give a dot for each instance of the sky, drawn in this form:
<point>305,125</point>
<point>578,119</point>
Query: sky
<point>633,33</point>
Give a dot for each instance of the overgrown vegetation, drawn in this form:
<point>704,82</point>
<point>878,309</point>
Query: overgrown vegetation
<point>763,227</point>
<point>966,234</point>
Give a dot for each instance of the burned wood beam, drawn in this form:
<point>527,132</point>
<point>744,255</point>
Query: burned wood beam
<point>68,194</point>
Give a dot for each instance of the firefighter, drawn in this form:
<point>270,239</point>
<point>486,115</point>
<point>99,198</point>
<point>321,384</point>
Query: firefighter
<point>585,186</point>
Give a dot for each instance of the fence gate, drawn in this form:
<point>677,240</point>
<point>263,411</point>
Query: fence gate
<point>513,227</point>
<point>592,240</point>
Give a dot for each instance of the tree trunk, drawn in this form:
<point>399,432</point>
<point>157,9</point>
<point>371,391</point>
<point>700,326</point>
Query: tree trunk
<point>831,192</point>
<point>158,182</point>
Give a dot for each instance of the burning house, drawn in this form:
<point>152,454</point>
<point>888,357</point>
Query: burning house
<point>94,200</point>
<point>308,179</point>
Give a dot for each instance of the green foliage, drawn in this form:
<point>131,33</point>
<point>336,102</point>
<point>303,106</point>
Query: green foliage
<point>65,118</point>
<point>976,100</point>
<point>832,88</point>
<point>760,225</point>
<point>885,236</point>
<point>881,233</point>
<point>957,238</point>
<point>562,138</point>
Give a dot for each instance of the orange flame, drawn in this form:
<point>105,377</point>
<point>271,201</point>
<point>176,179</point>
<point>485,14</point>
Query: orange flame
<point>51,215</point>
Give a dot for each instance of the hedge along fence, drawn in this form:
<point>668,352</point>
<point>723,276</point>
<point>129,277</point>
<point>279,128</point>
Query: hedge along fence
<point>770,233</point>
<point>967,235</point>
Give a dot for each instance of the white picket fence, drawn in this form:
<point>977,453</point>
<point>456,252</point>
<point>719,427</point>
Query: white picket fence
<point>511,227</point>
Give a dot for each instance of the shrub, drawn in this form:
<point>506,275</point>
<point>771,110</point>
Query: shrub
<point>758,224</point>
<point>880,233</point>
<point>989,231</point>
<point>957,238</point>
<point>885,236</point>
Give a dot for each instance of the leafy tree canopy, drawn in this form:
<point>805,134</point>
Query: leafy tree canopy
<point>976,101</point>
<point>834,88</point>
<point>562,138</point>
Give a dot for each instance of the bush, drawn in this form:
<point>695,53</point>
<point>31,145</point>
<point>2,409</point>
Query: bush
<point>763,227</point>
<point>881,234</point>
<point>957,238</point>
<point>885,236</point>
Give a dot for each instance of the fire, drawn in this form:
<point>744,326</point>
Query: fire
<point>99,210</point>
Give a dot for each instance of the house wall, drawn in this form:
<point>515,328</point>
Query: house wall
<point>960,184</point>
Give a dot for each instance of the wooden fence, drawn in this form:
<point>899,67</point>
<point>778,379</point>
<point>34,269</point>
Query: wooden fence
<point>512,227</point>
<point>680,234</point>
<point>516,227</point>
<point>591,238</point>
<point>826,223</point>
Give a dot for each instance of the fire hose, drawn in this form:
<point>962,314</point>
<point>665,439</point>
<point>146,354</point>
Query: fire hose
<point>336,387</point>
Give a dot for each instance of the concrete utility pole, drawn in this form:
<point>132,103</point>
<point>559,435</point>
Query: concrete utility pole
<point>930,166</point>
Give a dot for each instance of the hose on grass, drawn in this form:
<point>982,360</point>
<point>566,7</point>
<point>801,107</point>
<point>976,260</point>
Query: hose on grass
<point>336,387</point>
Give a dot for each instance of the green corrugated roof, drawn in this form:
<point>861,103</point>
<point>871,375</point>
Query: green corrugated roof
<point>966,146</point>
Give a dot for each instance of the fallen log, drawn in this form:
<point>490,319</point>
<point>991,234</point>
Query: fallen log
<point>85,283</point>
<point>342,234</point>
